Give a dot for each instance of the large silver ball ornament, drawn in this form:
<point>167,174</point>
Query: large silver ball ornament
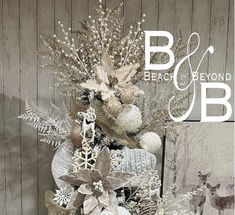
<point>130,118</point>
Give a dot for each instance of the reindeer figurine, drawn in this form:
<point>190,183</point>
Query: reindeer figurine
<point>88,124</point>
<point>220,202</point>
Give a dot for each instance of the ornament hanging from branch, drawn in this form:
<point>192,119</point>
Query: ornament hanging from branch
<point>63,195</point>
<point>84,158</point>
<point>88,124</point>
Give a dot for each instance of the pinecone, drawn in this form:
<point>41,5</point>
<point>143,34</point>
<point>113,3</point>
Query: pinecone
<point>147,207</point>
<point>89,96</point>
<point>102,139</point>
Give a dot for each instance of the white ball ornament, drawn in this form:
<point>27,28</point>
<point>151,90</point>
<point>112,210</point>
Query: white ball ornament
<point>121,211</point>
<point>151,142</point>
<point>130,118</point>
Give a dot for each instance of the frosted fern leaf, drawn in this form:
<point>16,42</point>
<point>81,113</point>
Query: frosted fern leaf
<point>54,125</point>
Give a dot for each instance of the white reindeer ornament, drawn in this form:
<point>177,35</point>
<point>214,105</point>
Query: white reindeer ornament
<point>88,124</point>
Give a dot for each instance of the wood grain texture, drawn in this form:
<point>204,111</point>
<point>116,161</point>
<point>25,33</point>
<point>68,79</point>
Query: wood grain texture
<point>230,54</point>
<point>11,131</point>
<point>2,142</point>
<point>111,4</point>
<point>28,78</point>
<point>151,9</point>
<point>131,17</point>
<point>201,25</point>
<point>76,18</point>
<point>93,5</point>
<point>183,9</point>
<point>218,38</point>
<point>166,23</point>
<point>45,97</point>
<point>83,7</point>
<point>63,11</point>
<point>132,12</point>
<point>183,25</point>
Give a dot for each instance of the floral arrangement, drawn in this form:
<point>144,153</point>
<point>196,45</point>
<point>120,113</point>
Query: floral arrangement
<point>105,159</point>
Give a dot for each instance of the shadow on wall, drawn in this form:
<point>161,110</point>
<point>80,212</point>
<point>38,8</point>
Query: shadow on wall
<point>25,164</point>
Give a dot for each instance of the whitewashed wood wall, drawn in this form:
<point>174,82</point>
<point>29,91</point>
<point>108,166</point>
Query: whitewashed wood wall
<point>25,162</point>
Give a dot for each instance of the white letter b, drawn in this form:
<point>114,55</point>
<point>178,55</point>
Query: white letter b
<point>221,101</point>
<point>151,49</point>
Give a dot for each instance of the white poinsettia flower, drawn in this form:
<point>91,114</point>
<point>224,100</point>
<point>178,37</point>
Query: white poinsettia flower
<point>126,73</point>
<point>97,186</point>
<point>133,88</point>
<point>108,80</point>
<point>103,88</point>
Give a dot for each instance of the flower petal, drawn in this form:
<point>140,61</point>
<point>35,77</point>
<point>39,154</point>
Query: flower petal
<point>76,200</point>
<point>122,175</point>
<point>102,75</point>
<point>107,94</point>
<point>104,198</point>
<point>86,189</point>
<point>125,73</point>
<point>136,90</point>
<point>97,210</point>
<point>77,178</point>
<point>90,84</point>
<point>95,175</point>
<point>103,163</point>
<point>113,183</point>
<point>117,180</point>
<point>113,204</point>
<point>106,62</point>
<point>89,204</point>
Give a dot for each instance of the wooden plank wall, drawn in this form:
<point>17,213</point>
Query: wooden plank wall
<point>24,161</point>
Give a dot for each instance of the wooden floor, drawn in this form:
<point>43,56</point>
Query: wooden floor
<point>24,162</point>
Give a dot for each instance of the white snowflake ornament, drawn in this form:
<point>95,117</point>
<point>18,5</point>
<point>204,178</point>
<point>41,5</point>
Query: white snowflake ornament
<point>84,158</point>
<point>62,196</point>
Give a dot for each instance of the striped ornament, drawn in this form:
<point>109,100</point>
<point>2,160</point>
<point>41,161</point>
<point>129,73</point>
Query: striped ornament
<point>62,162</point>
<point>136,161</point>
